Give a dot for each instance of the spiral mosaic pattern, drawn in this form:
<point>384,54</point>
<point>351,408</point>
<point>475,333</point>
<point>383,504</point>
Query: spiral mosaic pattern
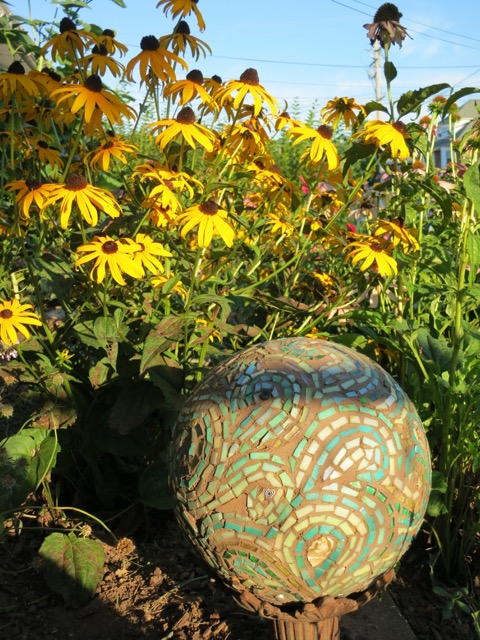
<point>300,469</point>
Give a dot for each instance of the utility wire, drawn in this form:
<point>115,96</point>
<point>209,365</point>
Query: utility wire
<point>345,66</point>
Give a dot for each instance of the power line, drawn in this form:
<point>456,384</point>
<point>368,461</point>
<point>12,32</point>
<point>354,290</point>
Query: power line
<point>345,66</point>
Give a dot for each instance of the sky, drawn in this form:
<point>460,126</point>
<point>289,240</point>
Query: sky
<point>305,51</point>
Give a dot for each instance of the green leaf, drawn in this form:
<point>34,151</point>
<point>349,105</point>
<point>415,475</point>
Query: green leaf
<point>153,485</point>
<point>120,3</point>
<point>436,505</point>
<point>390,71</point>
<point>373,105</point>
<point>435,350</point>
<point>71,566</point>
<point>473,250</point>
<point>25,459</point>
<point>110,329</point>
<point>100,373</point>
<point>160,339</point>
<point>471,182</point>
<point>457,95</point>
<point>411,101</point>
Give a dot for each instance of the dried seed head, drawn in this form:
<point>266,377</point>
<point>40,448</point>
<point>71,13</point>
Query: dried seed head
<point>388,12</point>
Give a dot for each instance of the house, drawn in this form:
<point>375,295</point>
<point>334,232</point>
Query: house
<point>468,113</point>
<point>6,57</point>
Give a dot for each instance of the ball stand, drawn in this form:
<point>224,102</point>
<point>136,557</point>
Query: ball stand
<point>317,620</point>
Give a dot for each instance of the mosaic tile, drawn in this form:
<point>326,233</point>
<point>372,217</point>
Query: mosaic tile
<point>299,469</point>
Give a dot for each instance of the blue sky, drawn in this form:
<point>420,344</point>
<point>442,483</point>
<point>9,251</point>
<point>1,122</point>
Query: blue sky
<point>306,50</point>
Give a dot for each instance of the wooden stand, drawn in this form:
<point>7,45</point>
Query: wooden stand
<point>324,630</point>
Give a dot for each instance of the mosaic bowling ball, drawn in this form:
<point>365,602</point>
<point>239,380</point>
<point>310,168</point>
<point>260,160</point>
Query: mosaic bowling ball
<point>299,469</point>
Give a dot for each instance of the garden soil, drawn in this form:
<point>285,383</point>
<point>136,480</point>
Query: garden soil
<point>155,588</point>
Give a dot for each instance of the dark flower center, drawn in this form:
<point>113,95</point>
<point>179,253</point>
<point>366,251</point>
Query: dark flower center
<point>17,68</point>
<point>100,50</point>
<point>216,78</point>
<point>94,83</point>
<point>42,144</point>
<point>75,182</point>
<point>209,208</point>
<point>52,74</point>
<point>109,33</point>
<point>149,43</point>
<point>169,185</point>
<point>183,28</point>
<point>285,114</point>
<point>250,76</point>
<point>325,131</point>
<point>186,116</point>
<point>33,184</point>
<point>400,127</point>
<point>6,314</point>
<point>108,145</point>
<point>109,247</point>
<point>387,12</point>
<point>195,76</point>
<point>67,25</point>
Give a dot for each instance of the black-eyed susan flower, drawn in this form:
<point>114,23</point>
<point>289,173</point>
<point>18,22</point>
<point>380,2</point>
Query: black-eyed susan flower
<point>246,139</point>
<point>210,220</point>
<point>146,256</point>
<point>183,126</point>
<point>159,216</point>
<point>397,234</point>
<point>116,255</point>
<point>384,133</point>
<point>108,40</point>
<point>188,89</point>
<point>14,318</point>
<point>15,82</point>
<point>386,28</point>
<point>169,286</point>
<point>372,252</point>
<point>47,154</point>
<point>181,38</point>
<point>322,145</point>
<point>182,8</point>
<point>29,192</point>
<point>278,221</point>
<point>154,59</point>
<point>113,148</point>
<point>88,199</point>
<point>247,86</point>
<point>70,42</point>
<point>341,109</point>
<point>91,96</point>
<point>285,120</point>
<point>99,62</point>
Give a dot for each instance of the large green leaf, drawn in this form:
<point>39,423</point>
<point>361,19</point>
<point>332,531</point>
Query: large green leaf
<point>25,459</point>
<point>411,101</point>
<point>457,95</point>
<point>71,566</point>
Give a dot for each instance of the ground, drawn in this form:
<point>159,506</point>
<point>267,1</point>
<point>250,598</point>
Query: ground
<point>155,588</point>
